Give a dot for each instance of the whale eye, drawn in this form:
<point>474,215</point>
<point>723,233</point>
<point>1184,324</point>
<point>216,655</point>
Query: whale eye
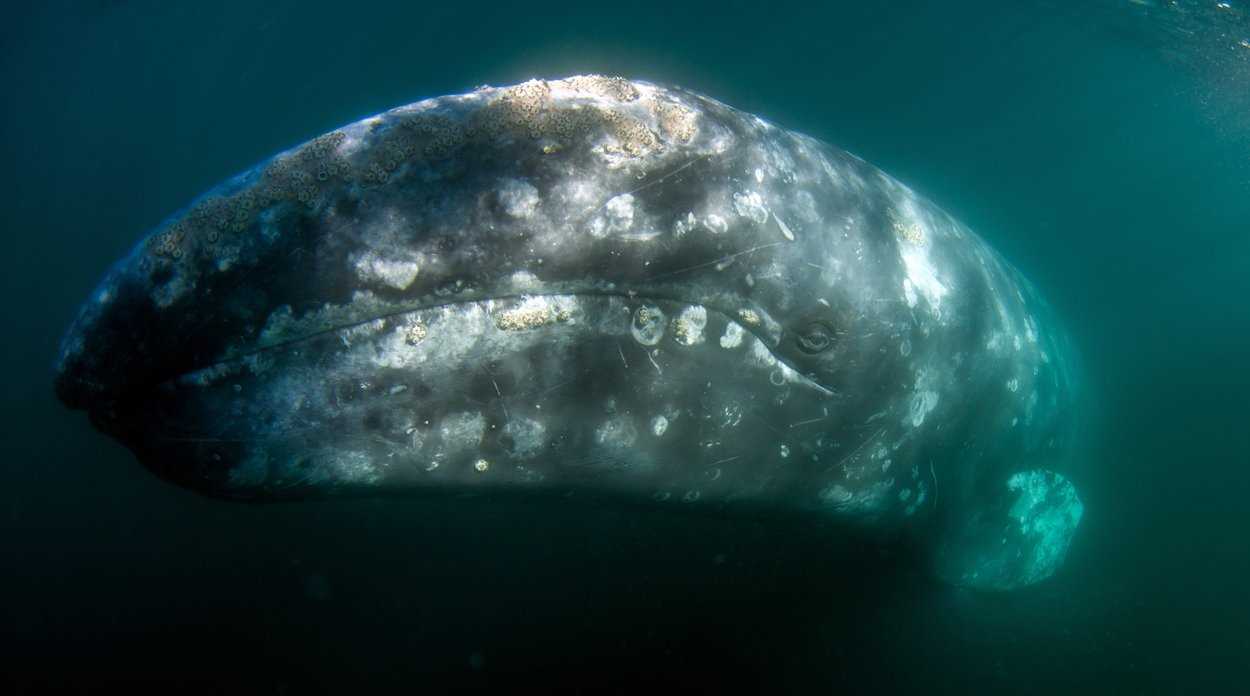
<point>816,337</point>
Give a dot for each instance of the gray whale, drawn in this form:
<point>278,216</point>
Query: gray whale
<point>601,286</point>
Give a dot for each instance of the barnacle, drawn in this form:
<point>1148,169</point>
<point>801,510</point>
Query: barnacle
<point>374,174</point>
<point>617,88</point>
<point>633,136</point>
<point>169,242</point>
<point>677,122</point>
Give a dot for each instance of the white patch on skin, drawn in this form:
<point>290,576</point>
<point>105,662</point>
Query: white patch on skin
<point>715,224</point>
<point>462,431</point>
<point>519,199</point>
<point>353,467</point>
<point>785,229</point>
<point>1013,385</point>
<point>867,501</point>
<point>922,403</point>
<point>352,334</point>
<point>684,225</point>
<point>617,433</point>
<point>688,326</point>
<point>922,276</point>
<point>371,267</point>
<point>527,435</point>
<point>524,280</point>
<point>620,212</point>
<point>733,336</point>
<point>659,424</point>
<point>750,205</point>
<point>648,325</point>
<point>761,354</point>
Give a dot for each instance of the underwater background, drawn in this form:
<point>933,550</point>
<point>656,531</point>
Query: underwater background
<point>1103,147</point>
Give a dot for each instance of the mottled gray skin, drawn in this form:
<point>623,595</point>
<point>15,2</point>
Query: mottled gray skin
<point>597,286</point>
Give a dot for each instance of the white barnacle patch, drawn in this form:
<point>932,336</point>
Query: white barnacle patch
<point>519,199</point>
<point>616,216</point>
<point>524,280</point>
<point>922,403</point>
<point>683,225</point>
<point>750,205</point>
<point>715,224</point>
<point>1013,385</point>
<point>921,278</point>
<point>867,501</point>
<point>688,326</point>
<point>1046,513</point>
<point>528,435</point>
<point>462,431</point>
<point>397,273</point>
<point>453,331</point>
<point>733,335</point>
<point>363,331</point>
<point>659,425</point>
<point>761,355</point>
<point>353,467</point>
<point>648,324</point>
<point>915,240</point>
<point>207,376</point>
<point>616,433</point>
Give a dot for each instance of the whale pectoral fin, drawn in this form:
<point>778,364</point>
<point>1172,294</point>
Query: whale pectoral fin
<point>1019,541</point>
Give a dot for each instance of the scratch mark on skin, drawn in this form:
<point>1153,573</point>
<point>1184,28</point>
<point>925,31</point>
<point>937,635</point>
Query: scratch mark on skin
<point>762,419</point>
<point>862,445</point>
<point>622,354</point>
<point>715,262</point>
<point>548,390</point>
<point>726,460</point>
<point>653,362</point>
<point>667,176</point>
<point>647,185</point>
<point>507,418</point>
<point>808,421</point>
<point>935,486</point>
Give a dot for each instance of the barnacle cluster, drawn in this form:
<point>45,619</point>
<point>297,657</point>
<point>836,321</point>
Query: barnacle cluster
<point>296,175</point>
<point>611,106</point>
<point>617,88</point>
<point>909,230</point>
<point>528,110</point>
<point>677,122</point>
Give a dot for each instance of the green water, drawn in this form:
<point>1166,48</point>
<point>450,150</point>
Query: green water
<point>1103,147</point>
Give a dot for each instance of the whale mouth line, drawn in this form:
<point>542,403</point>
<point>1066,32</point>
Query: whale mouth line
<point>748,330</point>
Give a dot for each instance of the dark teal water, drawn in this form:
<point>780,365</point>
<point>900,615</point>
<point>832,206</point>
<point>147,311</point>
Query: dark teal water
<point>1103,147</point>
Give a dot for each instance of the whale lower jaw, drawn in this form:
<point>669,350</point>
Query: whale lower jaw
<point>643,399</point>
